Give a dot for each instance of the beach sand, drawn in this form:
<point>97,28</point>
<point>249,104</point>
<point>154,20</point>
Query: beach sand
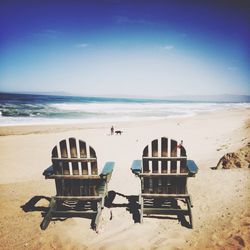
<point>220,197</point>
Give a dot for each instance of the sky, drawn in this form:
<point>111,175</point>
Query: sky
<point>125,48</point>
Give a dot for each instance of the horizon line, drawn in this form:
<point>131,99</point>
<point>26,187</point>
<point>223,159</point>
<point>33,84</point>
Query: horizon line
<point>183,97</point>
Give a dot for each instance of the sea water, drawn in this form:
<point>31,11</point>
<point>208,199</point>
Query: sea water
<point>25,109</point>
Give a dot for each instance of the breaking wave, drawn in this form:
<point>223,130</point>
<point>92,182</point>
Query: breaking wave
<point>38,109</point>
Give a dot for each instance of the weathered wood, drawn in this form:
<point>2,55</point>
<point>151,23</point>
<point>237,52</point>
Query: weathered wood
<point>73,159</point>
<point>98,217</point>
<point>63,148</point>
<point>163,172</point>
<point>155,148</point>
<point>87,198</point>
<point>54,152</point>
<point>173,148</point>
<point>74,154</point>
<point>165,195</point>
<point>73,212</point>
<point>145,165</point>
<point>165,158</point>
<point>190,213</point>
<point>80,190</point>
<point>73,150</point>
<point>164,147</point>
<point>141,202</point>
<point>83,154</point>
<point>93,163</point>
<point>166,211</point>
<point>49,214</point>
<point>74,177</point>
<point>161,175</point>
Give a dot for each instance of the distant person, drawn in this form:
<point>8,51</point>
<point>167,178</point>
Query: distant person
<point>112,130</point>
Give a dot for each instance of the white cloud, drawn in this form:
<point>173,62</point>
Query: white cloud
<point>122,19</point>
<point>168,47</point>
<point>232,68</point>
<point>48,33</point>
<point>183,35</point>
<point>128,20</point>
<point>81,45</point>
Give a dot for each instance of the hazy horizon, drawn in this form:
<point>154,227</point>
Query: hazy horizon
<point>192,98</point>
<point>150,49</point>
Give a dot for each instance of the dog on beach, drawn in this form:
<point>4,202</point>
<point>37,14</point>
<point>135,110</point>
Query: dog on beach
<point>118,132</point>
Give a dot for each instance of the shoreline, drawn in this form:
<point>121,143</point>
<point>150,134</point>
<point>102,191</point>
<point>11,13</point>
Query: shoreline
<point>26,129</point>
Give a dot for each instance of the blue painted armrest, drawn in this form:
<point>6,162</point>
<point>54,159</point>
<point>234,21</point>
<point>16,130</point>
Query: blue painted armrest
<point>108,168</point>
<point>49,171</point>
<point>136,166</point>
<point>192,167</point>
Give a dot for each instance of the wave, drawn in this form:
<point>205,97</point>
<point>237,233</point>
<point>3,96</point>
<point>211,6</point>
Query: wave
<point>88,110</point>
<point>15,121</point>
<point>131,107</point>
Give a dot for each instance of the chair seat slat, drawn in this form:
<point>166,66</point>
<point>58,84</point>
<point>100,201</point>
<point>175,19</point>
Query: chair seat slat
<point>74,159</point>
<point>164,195</point>
<point>165,158</point>
<point>162,175</point>
<point>80,177</point>
<point>87,198</point>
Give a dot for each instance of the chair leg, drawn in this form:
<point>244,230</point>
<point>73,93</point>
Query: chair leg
<point>189,205</point>
<point>141,202</point>
<point>48,216</point>
<point>98,215</point>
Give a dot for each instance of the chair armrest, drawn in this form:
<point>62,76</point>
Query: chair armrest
<point>136,166</point>
<point>192,168</point>
<point>108,168</point>
<point>49,171</point>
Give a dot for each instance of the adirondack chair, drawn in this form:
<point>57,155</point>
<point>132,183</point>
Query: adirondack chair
<point>80,191</point>
<point>163,172</point>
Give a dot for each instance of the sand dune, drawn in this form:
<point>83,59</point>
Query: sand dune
<point>238,159</point>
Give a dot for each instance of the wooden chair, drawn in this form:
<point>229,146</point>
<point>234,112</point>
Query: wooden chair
<point>80,191</point>
<point>163,172</point>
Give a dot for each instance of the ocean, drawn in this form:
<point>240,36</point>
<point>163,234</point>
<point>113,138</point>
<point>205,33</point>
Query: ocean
<point>28,109</point>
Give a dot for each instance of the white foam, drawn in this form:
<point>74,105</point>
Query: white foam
<point>114,112</point>
<point>109,108</point>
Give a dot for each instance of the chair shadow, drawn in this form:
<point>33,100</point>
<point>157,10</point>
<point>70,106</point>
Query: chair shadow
<point>133,207</point>
<point>180,216</point>
<point>30,206</point>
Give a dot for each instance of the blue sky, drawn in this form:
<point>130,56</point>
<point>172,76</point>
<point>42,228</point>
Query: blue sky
<point>125,48</point>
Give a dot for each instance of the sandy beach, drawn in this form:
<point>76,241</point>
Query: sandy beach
<point>221,198</point>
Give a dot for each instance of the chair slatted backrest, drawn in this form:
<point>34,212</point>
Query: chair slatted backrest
<point>164,157</point>
<point>74,157</point>
<point>75,168</point>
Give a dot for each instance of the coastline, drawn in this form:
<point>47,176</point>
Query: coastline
<point>221,198</point>
<point>24,129</point>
